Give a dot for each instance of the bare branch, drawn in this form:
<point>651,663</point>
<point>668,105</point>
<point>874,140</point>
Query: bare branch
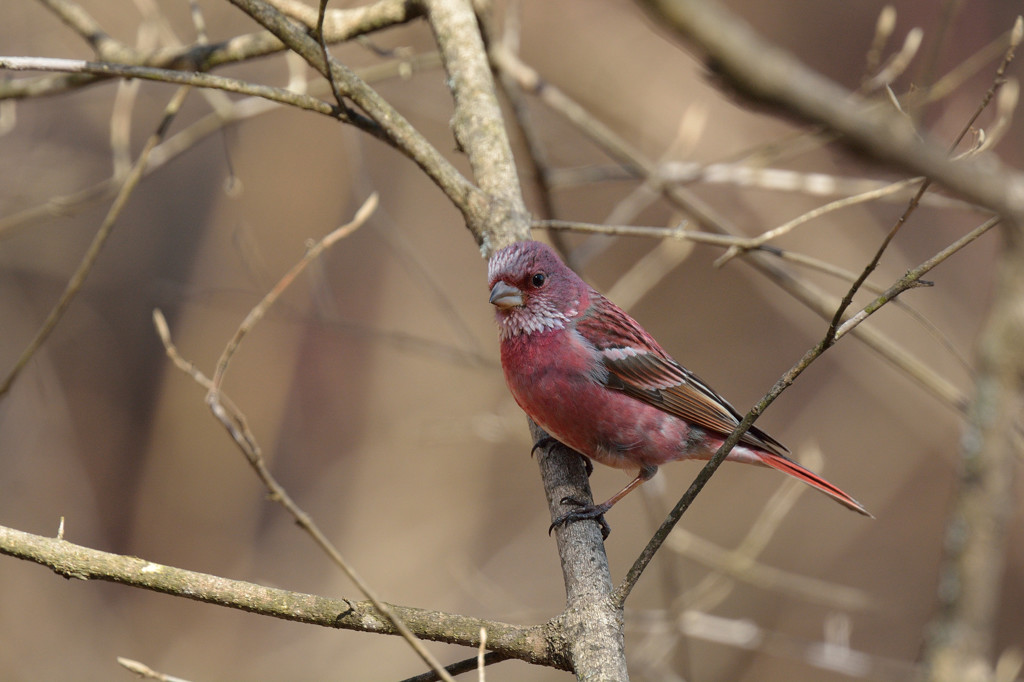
<point>805,291</point>
<point>195,79</point>
<point>769,74</point>
<point>478,125</point>
<point>339,25</point>
<point>531,643</point>
<point>963,631</point>
<point>399,132</point>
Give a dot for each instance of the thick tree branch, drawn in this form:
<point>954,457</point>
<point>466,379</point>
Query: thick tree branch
<point>593,624</point>
<point>592,621</point>
<point>529,643</point>
<point>478,124</point>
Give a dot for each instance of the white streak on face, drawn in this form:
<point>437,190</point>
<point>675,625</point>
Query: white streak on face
<point>501,262</point>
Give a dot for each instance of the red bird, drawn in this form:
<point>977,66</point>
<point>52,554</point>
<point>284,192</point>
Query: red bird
<point>590,376</point>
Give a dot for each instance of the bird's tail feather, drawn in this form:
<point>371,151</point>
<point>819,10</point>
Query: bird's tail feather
<point>788,466</point>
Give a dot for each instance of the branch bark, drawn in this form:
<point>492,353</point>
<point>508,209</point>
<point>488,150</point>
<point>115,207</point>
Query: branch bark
<point>592,622</point>
<point>529,643</point>
<point>592,619</point>
<point>962,634</point>
<point>477,124</point>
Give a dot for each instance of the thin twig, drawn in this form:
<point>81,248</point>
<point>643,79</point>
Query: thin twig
<point>801,289</point>
<point>830,207</point>
<point>143,670</point>
<point>235,422</point>
<point>177,144</point>
<point>640,231</point>
<point>1016,35</point>
<point>909,281</point>
<point>77,279</point>
<point>195,79</point>
<point>915,275</point>
<point>261,308</point>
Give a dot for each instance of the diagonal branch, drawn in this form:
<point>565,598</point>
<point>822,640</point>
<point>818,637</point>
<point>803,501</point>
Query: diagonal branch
<point>397,129</point>
<point>78,278</point>
<point>804,290</point>
<point>771,75</point>
<point>910,280</point>
<point>478,125</point>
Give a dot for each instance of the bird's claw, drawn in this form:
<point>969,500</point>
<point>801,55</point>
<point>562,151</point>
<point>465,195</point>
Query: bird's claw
<point>543,442</point>
<point>582,512</point>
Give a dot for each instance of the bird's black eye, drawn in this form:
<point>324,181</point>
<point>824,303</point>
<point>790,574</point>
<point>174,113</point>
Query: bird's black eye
<point>539,279</point>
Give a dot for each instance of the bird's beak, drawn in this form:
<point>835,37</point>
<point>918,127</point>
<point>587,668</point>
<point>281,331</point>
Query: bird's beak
<point>506,296</point>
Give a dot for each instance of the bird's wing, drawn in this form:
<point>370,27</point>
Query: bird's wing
<point>640,368</point>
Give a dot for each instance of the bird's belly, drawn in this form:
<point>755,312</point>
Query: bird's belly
<point>605,425</point>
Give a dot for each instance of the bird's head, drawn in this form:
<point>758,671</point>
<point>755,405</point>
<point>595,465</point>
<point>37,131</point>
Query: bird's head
<point>533,290</point>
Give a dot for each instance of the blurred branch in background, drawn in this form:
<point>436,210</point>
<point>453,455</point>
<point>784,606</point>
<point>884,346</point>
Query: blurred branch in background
<point>124,192</point>
<point>960,647</point>
<point>772,76</point>
<point>875,117</point>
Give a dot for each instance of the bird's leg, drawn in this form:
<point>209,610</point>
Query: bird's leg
<point>596,511</point>
<point>549,440</point>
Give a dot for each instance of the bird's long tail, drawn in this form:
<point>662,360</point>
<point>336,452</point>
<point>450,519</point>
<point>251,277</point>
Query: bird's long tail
<point>788,466</point>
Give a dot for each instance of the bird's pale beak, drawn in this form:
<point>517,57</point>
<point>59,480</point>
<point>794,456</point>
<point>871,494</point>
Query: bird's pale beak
<point>505,295</point>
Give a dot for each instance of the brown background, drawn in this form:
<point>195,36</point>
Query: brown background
<point>374,385</point>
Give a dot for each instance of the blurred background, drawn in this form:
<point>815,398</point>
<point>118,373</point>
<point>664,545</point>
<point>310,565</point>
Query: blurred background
<point>374,385</point>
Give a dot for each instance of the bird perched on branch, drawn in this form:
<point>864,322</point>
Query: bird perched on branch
<point>591,377</point>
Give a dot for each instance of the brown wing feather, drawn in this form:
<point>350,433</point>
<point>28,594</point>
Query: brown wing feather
<point>640,368</point>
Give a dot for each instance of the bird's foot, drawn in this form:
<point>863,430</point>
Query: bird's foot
<point>583,512</point>
<point>542,443</point>
<point>548,440</point>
